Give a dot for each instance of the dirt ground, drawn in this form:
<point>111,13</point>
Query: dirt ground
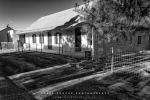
<point>21,64</point>
<point>15,63</point>
<point>127,84</point>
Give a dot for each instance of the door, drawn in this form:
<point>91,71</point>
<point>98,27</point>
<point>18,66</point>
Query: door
<point>22,38</point>
<point>77,39</point>
<point>49,40</point>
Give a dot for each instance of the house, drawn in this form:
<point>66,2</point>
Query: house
<point>6,35</point>
<point>59,31</point>
<point>63,31</point>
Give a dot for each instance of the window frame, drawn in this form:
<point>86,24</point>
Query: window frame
<point>34,38</point>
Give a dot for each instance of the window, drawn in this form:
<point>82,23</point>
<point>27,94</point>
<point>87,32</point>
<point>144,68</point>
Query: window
<point>139,39</point>
<point>41,38</point>
<point>57,38</point>
<point>34,38</point>
<point>56,42</point>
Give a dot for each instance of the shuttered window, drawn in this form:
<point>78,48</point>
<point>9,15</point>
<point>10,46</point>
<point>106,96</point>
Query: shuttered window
<point>41,38</point>
<point>34,38</point>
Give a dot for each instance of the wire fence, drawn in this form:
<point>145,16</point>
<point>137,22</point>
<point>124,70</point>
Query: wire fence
<point>6,45</point>
<point>119,59</point>
<point>113,59</point>
<point>63,50</point>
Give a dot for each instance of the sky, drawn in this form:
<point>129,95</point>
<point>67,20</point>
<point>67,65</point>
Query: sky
<point>22,13</point>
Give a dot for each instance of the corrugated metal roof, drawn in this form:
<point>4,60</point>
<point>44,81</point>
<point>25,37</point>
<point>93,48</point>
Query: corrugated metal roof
<point>52,21</point>
<point>62,19</point>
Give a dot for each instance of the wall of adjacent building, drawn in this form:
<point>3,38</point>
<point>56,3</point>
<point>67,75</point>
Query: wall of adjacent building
<point>104,48</point>
<point>4,37</point>
<point>133,45</point>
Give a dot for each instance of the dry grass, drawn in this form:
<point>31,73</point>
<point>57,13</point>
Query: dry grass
<point>14,63</point>
<point>128,84</point>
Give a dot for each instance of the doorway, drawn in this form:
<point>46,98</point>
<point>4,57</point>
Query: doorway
<point>22,38</point>
<point>77,39</point>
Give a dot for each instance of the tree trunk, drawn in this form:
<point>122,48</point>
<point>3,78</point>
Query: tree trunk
<point>95,45</point>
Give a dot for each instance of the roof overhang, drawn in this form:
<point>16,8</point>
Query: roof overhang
<point>63,27</point>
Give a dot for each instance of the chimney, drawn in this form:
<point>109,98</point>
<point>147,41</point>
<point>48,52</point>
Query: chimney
<point>7,25</point>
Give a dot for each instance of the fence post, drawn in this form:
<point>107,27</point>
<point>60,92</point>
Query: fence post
<point>112,60</point>
<point>29,46</point>
<point>59,43</point>
<point>62,49</point>
<point>36,47</point>
<point>18,46</point>
<point>59,48</point>
<point>22,46</point>
<point>7,45</point>
<point>41,46</point>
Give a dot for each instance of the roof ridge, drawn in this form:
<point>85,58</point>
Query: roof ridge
<point>57,12</point>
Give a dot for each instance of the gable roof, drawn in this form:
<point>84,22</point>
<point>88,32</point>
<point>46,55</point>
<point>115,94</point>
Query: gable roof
<point>7,28</point>
<point>60,20</point>
<point>52,21</point>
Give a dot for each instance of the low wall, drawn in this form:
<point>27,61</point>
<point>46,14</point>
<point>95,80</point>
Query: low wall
<point>7,45</point>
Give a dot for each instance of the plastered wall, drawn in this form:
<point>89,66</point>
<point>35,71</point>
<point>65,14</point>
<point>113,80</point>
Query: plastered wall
<point>125,45</point>
<point>67,39</point>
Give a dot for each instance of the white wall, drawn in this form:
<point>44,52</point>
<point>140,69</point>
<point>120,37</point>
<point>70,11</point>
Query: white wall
<point>29,40</point>
<point>68,40</point>
<point>84,42</point>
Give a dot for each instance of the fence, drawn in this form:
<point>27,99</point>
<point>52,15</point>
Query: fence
<point>113,59</point>
<point>116,60</point>
<point>7,45</point>
<point>55,49</point>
